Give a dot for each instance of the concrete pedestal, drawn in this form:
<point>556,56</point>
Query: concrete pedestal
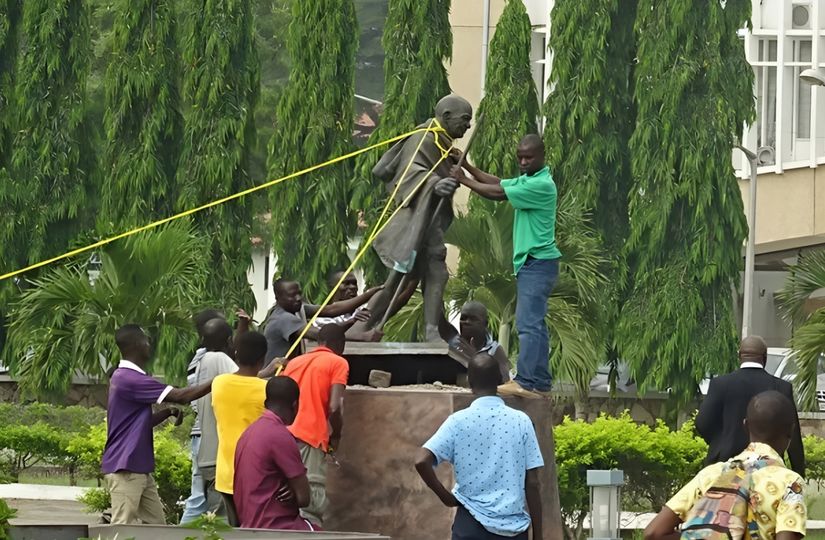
<point>376,488</point>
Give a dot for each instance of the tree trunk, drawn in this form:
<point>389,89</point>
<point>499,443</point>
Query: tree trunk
<point>504,337</point>
<point>581,409</point>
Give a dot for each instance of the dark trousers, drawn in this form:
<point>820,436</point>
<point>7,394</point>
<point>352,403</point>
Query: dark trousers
<point>465,527</point>
<point>231,512</point>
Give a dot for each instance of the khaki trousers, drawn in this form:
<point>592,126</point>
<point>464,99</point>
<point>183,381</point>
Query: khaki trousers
<point>135,499</point>
<point>315,461</point>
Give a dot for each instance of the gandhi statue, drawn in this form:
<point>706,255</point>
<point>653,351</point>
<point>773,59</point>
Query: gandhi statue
<point>412,246</point>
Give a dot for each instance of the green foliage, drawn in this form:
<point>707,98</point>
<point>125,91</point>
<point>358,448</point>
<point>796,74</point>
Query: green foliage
<point>27,445</point>
<point>311,221</point>
<point>41,433</point>
<point>590,116</point>
<point>221,87</point>
<point>96,500</point>
<point>656,462</point>
<point>510,106</point>
<point>694,92</point>
<point>271,23</point>
<point>814,459</point>
<point>52,159</point>
<point>417,41</point>
<point>65,323</point>
<point>210,526</point>
<point>486,275</point>
<point>86,448</point>
<point>9,27</point>
<point>71,419</point>
<point>173,473</point>
<point>142,119</point>
<point>808,340</point>
<point>6,513</point>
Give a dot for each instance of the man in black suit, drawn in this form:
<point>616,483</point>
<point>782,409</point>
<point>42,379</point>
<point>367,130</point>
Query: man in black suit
<point>721,415</point>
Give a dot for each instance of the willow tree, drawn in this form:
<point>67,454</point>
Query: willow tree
<point>221,86</point>
<point>9,26</point>
<point>694,92</point>
<point>311,221</point>
<point>589,121</point>
<point>417,41</point>
<point>142,119</point>
<point>44,199</point>
<point>510,105</point>
<point>9,22</point>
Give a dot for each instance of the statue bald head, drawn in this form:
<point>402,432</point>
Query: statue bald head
<point>454,113</point>
<point>753,349</point>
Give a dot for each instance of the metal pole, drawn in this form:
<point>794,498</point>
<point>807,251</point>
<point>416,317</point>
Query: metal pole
<point>750,250</point>
<point>485,43</point>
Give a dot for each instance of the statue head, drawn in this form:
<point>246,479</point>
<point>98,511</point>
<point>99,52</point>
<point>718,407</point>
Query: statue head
<point>454,113</point>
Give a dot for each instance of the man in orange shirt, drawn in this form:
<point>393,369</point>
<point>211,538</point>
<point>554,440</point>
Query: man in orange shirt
<point>322,378</point>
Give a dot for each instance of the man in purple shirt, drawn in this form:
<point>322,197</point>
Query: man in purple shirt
<point>129,455</point>
<point>270,479</point>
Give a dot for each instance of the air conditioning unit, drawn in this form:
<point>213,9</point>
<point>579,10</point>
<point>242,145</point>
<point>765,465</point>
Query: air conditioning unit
<point>801,16</point>
<point>765,155</point>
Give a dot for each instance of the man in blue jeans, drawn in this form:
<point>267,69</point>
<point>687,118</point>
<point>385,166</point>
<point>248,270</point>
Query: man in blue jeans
<point>535,258</point>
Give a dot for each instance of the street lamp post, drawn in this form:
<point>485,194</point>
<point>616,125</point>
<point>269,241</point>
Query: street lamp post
<point>750,251</point>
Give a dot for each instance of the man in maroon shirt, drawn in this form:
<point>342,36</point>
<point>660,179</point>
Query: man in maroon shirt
<point>270,479</point>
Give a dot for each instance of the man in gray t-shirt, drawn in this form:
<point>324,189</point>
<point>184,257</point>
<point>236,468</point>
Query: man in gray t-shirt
<point>288,318</point>
<point>217,338</point>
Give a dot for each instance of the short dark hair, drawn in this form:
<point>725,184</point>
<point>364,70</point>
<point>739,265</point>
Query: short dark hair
<point>282,390</point>
<point>770,415</point>
<point>202,317</point>
<point>332,278</point>
<point>128,335</point>
<point>483,372</point>
<point>333,335</point>
<point>216,334</point>
<point>280,283</point>
<point>532,140</point>
<point>250,349</point>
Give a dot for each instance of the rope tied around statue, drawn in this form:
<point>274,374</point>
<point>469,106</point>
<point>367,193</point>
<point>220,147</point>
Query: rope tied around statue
<point>434,127</point>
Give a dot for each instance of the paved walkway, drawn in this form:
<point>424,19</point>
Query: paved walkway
<point>38,504</point>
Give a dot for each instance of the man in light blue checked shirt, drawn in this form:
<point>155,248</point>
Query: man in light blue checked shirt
<point>496,460</point>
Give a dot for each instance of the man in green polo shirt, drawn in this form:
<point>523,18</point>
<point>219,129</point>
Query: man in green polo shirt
<point>535,258</point>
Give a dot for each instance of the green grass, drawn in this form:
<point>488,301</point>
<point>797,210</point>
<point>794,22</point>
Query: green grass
<point>54,480</point>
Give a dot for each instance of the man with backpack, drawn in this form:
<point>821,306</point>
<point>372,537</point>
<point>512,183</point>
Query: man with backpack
<point>750,496</point>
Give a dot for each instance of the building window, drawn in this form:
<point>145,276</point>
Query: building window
<point>787,37</point>
<point>765,68</point>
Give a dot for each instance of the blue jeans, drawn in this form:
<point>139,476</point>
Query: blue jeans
<point>196,503</point>
<point>535,282</point>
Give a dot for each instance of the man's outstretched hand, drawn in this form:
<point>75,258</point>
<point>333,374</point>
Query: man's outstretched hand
<point>458,174</point>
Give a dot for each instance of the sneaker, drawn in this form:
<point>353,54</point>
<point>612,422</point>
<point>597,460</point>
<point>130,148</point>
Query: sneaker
<point>513,388</point>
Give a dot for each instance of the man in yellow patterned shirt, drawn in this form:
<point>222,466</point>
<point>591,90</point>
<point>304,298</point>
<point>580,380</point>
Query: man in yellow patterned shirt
<point>776,497</point>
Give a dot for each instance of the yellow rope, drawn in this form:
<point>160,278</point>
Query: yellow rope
<point>217,202</point>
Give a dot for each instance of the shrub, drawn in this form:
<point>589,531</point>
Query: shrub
<point>173,473</point>
<point>656,462</point>
<point>814,459</point>
<point>6,513</point>
<point>28,445</point>
<point>96,500</point>
<point>71,419</point>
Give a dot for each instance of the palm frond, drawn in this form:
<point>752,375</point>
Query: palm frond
<point>65,325</point>
<point>808,344</point>
<point>806,278</point>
